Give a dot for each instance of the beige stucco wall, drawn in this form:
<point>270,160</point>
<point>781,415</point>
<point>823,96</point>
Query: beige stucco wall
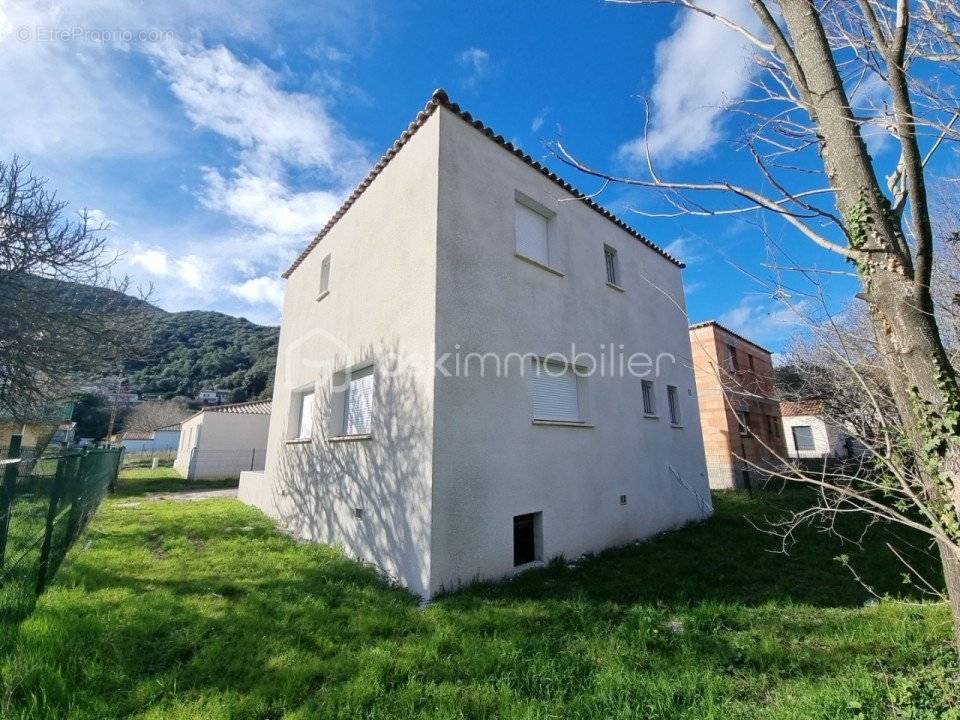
<point>217,445</point>
<point>490,461</point>
<point>380,309</point>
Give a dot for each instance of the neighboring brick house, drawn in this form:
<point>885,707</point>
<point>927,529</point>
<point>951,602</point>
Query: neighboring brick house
<point>739,414</point>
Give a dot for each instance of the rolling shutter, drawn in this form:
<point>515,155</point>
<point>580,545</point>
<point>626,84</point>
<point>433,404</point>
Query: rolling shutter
<point>532,234</point>
<point>359,402</point>
<point>553,393</point>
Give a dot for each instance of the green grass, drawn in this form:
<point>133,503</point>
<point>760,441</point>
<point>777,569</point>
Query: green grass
<point>139,481</point>
<point>202,610</point>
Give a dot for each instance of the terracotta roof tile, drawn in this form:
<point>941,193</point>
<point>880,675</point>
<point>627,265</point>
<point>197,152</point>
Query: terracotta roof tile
<point>707,323</point>
<point>793,408</point>
<point>253,407</point>
<point>440,99</point>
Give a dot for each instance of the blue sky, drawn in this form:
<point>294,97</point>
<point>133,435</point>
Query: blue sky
<point>218,142</point>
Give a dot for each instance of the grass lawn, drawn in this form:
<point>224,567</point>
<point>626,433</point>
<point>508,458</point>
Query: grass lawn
<point>139,481</point>
<point>203,610</point>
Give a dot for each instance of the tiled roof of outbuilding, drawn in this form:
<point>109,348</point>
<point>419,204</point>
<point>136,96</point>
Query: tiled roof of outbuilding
<point>438,99</point>
<point>252,407</point>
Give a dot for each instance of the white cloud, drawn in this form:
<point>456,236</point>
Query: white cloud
<point>159,263</point>
<point>685,249</point>
<point>539,119</point>
<point>700,68</point>
<point>763,319</point>
<point>266,203</point>
<point>154,262</point>
<point>263,289</point>
<point>477,61</point>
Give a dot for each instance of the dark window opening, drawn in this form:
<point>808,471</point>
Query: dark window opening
<point>623,499</point>
<point>526,538</point>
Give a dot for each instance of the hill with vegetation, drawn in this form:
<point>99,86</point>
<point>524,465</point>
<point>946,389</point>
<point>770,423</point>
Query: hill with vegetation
<point>182,353</point>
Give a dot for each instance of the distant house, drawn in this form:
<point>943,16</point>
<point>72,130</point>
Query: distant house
<point>213,397</point>
<point>163,439</point>
<point>64,433</point>
<point>39,429</point>
<point>739,413</point>
<point>810,434</point>
<point>223,440</point>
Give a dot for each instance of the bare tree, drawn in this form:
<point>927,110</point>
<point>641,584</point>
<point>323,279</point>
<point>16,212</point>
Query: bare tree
<point>814,171</point>
<point>153,414</point>
<point>52,325</point>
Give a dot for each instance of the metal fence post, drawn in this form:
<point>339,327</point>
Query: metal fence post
<point>8,491</point>
<point>55,491</point>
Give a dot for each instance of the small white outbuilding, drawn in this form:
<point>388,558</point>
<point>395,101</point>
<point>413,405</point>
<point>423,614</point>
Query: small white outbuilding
<point>224,440</point>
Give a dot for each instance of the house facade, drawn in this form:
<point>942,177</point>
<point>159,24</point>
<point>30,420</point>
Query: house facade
<point>809,434</point>
<point>432,414</point>
<point>739,412</point>
<point>224,440</point>
<point>164,439</point>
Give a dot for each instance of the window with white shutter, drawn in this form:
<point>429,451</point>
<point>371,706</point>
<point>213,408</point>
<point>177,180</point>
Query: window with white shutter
<point>358,403</point>
<point>555,392</point>
<point>304,423</point>
<point>532,236</point>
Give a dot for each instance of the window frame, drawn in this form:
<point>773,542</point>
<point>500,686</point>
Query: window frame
<point>648,391</point>
<point>796,445</point>
<point>743,420</point>
<point>673,406</point>
<point>611,262</point>
<point>580,380</point>
<point>733,364</point>
<point>296,430</point>
<point>324,289</point>
<point>352,376</point>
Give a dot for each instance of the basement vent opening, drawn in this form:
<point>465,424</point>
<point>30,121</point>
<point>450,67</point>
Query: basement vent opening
<point>527,536</point>
<point>623,499</point>
<point>358,513</point>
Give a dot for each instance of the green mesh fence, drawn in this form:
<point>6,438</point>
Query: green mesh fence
<point>45,504</point>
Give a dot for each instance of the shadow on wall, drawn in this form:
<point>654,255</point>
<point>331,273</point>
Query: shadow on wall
<point>372,496</point>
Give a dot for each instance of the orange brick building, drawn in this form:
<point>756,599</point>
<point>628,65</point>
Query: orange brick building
<point>739,413</point>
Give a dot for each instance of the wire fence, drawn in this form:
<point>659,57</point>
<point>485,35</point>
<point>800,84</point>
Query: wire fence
<point>45,503</point>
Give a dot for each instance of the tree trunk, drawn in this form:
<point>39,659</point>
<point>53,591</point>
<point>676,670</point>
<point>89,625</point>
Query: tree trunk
<point>923,381</point>
<point>951,578</point>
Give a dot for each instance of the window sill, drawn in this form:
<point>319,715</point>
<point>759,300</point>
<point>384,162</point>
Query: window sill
<point>564,423</point>
<point>650,416</point>
<point>349,438</point>
<point>529,566</point>
<point>537,263</point>
<point>614,286</point>
<point>675,426</point>
<point>297,441</point>
<point>322,295</point>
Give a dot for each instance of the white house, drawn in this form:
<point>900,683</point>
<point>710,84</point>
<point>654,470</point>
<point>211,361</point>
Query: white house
<point>162,439</point>
<point>431,411</point>
<point>224,440</point>
<point>809,434</point>
<point>213,397</point>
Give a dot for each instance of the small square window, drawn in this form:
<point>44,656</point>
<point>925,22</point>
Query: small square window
<point>610,260</point>
<point>673,400</point>
<point>527,538</point>
<point>649,397</point>
<point>324,278</point>
<point>803,438</point>
<point>555,392</point>
<point>532,233</point>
